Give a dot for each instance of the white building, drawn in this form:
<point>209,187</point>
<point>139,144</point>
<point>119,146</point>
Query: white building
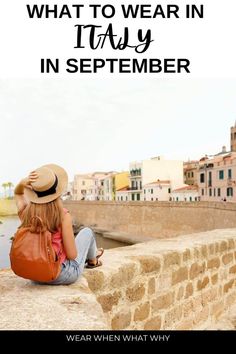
<point>156,191</point>
<point>185,194</point>
<point>88,186</point>
<point>122,195</point>
<point>153,170</point>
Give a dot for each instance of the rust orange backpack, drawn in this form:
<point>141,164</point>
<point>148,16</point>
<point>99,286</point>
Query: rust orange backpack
<point>32,255</point>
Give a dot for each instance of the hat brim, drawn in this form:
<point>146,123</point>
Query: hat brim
<point>60,189</point>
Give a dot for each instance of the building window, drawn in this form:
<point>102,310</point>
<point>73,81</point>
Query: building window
<point>83,183</point>
<point>152,199</point>
<point>229,192</point>
<point>126,198</point>
<point>144,199</point>
<point>169,190</point>
<point>177,199</point>
<point>195,199</point>
<point>210,192</point>
<point>221,174</point>
<point>202,191</point>
<point>121,198</point>
<point>138,196</point>
<point>218,192</point>
<point>157,199</point>
<point>190,199</point>
<point>192,175</point>
<point>214,192</point>
<point>140,184</point>
<point>151,191</point>
<point>202,178</point>
<point>210,179</point>
<point>132,197</point>
<point>189,175</point>
<point>144,191</point>
<point>229,174</point>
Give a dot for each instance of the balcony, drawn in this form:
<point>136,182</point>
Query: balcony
<point>136,173</point>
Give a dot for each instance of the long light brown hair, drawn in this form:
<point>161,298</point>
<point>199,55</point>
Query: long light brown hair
<point>50,214</point>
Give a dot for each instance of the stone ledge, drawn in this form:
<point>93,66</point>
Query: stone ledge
<point>26,306</point>
<point>132,286</point>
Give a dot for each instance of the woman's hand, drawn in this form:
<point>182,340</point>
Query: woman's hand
<point>26,182</point>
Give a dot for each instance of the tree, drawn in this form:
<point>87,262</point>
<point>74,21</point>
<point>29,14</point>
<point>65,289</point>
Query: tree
<point>4,185</point>
<point>9,185</point>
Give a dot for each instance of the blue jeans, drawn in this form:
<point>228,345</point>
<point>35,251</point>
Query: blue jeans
<point>86,249</point>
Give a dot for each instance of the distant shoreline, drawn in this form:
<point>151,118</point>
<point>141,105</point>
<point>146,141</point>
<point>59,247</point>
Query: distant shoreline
<point>7,207</point>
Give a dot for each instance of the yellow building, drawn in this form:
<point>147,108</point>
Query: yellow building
<point>120,180</point>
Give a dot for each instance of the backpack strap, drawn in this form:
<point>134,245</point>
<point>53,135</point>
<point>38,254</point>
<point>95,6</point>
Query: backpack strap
<point>40,221</point>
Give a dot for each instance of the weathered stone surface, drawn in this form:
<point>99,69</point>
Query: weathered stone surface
<point>214,279</point>
<point>151,286</point>
<point>228,285</point>
<point>232,269</point>
<point>195,270</point>
<point>25,306</point>
<point>201,284</point>
<point>179,275</point>
<point>135,293</point>
<point>163,301</point>
<point>107,301</point>
<point>153,324</point>
<point>142,312</point>
<point>171,259</point>
<point>213,263</point>
<point>95,279</point>
<point>227,258</point>
<point>189,290</point>
<point>149,263</point>
<point>121,320</point>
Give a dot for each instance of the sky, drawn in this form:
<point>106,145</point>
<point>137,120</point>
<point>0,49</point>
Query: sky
<point>104,124</point>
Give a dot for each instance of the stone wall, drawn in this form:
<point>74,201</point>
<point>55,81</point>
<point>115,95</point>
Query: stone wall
<point>7,207</point>
<point>187,282</point>
<point>154,219</point>
<point>183,283</point>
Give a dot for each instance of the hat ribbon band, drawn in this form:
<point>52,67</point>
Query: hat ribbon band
<point>51,190</point>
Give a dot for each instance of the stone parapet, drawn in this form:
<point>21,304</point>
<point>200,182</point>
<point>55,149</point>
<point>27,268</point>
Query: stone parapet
<point>187,282</point>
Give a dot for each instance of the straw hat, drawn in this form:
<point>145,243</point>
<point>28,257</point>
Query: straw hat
<point>51,183</point>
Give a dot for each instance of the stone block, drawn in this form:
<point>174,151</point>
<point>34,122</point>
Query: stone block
<point>164,281</point>
<point>228,285</point>
<point>149,264</point>
<point>188,290</point>
<point>187,255</point>
<point>172,316</point>
<point>223,246</point>
<point>204,252</point>
<point>171,259</point>
<point>202,315</point>
<point>185,324</point>
<point>123,276</point>
<point>179,275</point>
<point>201,284</point>
<point>135,292</point>
<point>213,263</point>
<point>217,309</point>
<point>196,269</point>
<point>163,301</point>
<point>142,312</point>
<point>231,244</point>
<point>232,270</point>
<point>227,258</point>
<point>214,279</point>
<point>151,286</point>
<point>153,324</point>
<point>211,249</point>
<point>180,293</point>
<point>95,279</point>
<point>107,301</point>
<point>121,320</point>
